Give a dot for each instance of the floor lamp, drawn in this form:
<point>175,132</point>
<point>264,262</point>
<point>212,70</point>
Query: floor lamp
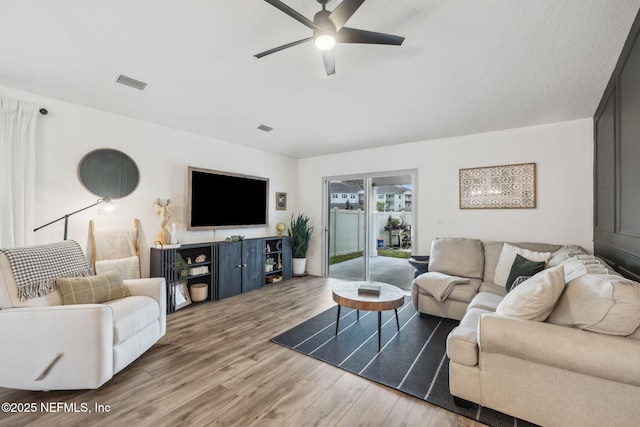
<point>106,200</point>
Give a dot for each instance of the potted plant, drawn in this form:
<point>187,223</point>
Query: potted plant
<point>268,264</point>
<point>300,232</point>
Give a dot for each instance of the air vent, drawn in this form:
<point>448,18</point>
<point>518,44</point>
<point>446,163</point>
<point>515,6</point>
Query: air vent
<point>265,128</point>
<point>131,82</point>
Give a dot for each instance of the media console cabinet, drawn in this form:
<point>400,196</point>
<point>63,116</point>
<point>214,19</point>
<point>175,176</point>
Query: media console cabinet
<point>227,268</point>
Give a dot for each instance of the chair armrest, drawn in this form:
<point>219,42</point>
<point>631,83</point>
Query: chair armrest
<point>156,288</point>
<point>56,347</point>
<point>598,355</point>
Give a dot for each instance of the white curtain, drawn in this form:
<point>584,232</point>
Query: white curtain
<point>17,171</point>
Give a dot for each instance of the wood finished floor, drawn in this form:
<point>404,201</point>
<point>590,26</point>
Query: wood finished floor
<point>216,366</point>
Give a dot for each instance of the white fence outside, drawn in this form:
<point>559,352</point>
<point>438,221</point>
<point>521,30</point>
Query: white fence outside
<point>346,228</point>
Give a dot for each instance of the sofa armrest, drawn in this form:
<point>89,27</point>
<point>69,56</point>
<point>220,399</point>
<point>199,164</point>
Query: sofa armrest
<point>156,288</point>
<point>56,347</point>
<point>605,356</point>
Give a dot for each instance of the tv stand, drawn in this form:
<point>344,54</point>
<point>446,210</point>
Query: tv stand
<point>227,268</point>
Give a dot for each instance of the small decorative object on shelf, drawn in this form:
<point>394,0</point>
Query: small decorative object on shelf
<point>279,263</point>
<point>196,271</point>
<point>274,278</point>
<point>369,289</point>
<point>199,292</point>
<point>234,238</point>
<point>201,258</point>
<point>280,227</point>
<point>268,264</point>
<point>164,236</point>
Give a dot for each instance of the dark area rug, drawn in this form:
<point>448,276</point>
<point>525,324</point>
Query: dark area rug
<point>413,360</point>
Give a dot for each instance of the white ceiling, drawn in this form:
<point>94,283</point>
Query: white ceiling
<point>466,66</point>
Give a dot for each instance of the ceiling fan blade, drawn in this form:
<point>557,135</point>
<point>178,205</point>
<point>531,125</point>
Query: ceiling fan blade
<point>329,58</point>
<point>353,35</point>
<point>344,11</point>
<point>279,48</point>
<point>292,13</point>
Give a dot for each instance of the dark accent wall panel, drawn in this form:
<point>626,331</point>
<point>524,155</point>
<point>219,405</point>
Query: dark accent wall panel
<point>629,144</point>
<point>617,163</point>
<point>605,185</point>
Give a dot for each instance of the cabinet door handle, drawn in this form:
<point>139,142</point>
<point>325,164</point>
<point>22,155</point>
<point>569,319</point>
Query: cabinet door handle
<point>239,266</point>
<point>244,265</point>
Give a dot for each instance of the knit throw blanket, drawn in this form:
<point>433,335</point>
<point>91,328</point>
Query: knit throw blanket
<point>36,268</point>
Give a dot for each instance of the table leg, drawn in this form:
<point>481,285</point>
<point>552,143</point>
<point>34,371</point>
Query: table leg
<point>358,315</point>
<point>397,321</point>
<point>338,319</point>
<point>379,327</point>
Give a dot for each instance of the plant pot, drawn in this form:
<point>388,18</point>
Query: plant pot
<point>199,292</point>
<point>299,266</point>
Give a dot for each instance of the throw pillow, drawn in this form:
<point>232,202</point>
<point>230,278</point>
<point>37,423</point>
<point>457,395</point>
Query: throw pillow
<point>508,256</point>
<point>604,303</point>
<point>523,267</point>
<point>535,298</point>
<point>92,289</point>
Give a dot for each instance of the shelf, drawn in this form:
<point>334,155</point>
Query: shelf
<point>198,275</point>
<point>198,264</point>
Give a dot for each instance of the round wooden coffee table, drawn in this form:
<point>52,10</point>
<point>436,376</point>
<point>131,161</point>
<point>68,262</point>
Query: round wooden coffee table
<point>346,294</point>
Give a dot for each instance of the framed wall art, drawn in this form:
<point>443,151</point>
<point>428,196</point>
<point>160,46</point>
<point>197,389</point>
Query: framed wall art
<point>281,201</point>
<point>498,187</point>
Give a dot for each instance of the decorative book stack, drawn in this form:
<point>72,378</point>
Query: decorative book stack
<point>369,289</point>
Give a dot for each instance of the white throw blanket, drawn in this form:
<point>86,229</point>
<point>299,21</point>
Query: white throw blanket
<point>128,268</point>
<point>438,285</point>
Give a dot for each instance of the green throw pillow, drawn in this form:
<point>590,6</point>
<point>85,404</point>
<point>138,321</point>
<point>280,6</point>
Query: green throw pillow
<point>92,289</point>
<point>523,267</point>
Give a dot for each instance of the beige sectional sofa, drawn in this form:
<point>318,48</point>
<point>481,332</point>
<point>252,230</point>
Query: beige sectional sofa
<point>559,349</point>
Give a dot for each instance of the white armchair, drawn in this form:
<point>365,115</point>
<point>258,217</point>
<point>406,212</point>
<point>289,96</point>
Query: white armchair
<point>45,345</point>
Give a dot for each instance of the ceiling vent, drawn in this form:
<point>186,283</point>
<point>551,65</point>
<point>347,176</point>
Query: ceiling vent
<point>131,82</point>
<point>265,128</point>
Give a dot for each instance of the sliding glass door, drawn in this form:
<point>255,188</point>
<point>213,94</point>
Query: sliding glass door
<point>369,227</point>
<point>346,228</point>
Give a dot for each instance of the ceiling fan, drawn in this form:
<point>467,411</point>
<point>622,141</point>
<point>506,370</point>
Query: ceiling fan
<point>328,29</point>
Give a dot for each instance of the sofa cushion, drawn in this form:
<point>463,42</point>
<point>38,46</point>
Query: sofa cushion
<point>92,289</point>
<point>485,301</point>
<point>523,267</point>
<point>535,298</point>
<point>604,303</point>
<point>493,289</point>
<point>457,257</point>
<point>462,342</point>
<point>508,256</point>
<point>131,315</point>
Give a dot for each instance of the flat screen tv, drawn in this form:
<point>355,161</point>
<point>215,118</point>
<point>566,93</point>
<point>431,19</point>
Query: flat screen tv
<point>225,200</point>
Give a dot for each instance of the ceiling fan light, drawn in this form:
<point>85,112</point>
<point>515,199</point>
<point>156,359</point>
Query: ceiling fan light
<point>325,42</point>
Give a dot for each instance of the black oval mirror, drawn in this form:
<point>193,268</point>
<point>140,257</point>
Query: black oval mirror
<point>108,173</point>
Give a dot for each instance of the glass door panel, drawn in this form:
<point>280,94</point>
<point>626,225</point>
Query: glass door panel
<point>369,227</point>
<point>346,228</point>
<point>391,230</point>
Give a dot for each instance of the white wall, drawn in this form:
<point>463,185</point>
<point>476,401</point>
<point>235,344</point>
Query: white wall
<point>162,154</point>
<point>563,153</point>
